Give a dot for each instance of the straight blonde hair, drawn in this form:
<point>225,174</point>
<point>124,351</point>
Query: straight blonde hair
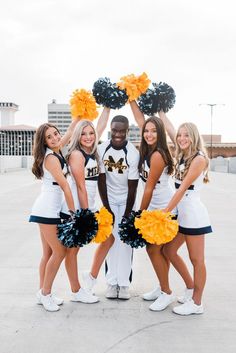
<point>197,145</point>
<point>76,137</point>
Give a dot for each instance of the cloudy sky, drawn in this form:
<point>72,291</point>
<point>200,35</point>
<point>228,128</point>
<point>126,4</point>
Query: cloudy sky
<point>51,47</point>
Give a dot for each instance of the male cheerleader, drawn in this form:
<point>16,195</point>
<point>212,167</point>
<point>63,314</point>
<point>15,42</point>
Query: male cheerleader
<point>117,183</point>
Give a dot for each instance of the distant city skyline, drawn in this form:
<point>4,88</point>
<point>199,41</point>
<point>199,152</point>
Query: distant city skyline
<point>50,48</point>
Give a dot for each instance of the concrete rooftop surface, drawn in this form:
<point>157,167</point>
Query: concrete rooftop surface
<point>113,326</point>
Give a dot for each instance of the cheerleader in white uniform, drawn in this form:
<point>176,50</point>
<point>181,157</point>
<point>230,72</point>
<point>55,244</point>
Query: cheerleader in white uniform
<point>83,164</point>
<point>49,165</point>
<point>194,223</point>
<point>156,166</point>
<point>117,183</point>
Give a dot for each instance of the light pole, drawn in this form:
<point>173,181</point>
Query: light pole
<point>211,105</point>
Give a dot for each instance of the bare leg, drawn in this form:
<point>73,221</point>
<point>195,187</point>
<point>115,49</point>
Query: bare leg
<point>47,252</point>
<point>58,253</point>
<point>170,251</point>
<point>195,246</point>
<point>72,268</point>
<point>100,255</point>
<point>160,265</point>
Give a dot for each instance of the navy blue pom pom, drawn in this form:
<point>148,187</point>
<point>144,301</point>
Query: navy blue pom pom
<point>160,97</point>
<point>129,234</point>
<point>78,231</point>
<point>108,94</point>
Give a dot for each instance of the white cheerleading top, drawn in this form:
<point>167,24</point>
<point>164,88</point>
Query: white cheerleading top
<point>193,216</point>
<point>163,191</point>
<point>91,177</point>
<point>48,203</point>
<point>119,165</point>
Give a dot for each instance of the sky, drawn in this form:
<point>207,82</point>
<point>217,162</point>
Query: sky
<point>49,48</point>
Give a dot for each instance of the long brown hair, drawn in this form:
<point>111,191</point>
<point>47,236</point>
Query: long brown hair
<point>39,149</point>
<point>196,146</point>
<point>161,144</point>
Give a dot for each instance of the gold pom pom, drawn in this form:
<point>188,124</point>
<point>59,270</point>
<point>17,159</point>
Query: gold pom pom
<point>134,85</point>
<point>156,227</point>
<point>83,105</point>
<point>104,219</point>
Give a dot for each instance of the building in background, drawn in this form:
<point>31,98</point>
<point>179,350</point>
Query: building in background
<point>7,113</point>
<point>16,141</point>
<point>59,115</point>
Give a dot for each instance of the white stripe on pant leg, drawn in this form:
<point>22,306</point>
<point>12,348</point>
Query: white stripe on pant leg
<point>124,258</point>
<point>112,257</point>
<point>119,259</point>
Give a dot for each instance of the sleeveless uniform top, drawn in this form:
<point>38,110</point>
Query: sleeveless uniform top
<point>163,190</point>
<point>46,208</point>
<point>91,178</point>
<point>193,217</point>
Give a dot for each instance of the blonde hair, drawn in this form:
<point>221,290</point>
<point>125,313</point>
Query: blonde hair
<point>197,145</point>
<point>76,137</point>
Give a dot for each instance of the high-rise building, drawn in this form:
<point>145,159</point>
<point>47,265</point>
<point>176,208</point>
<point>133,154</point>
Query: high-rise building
<point>59,115</point>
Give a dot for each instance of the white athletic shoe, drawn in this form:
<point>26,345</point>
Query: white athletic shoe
<point>89,280</point>
<point>162,302</point>
<point>188,294</point>
<point>49,303</point>
<point>84,296</point>
<point>153,295</point>
<point>188,308</point>
<point>57,300</point>
<point>123,293</point>
<point>112,292</point>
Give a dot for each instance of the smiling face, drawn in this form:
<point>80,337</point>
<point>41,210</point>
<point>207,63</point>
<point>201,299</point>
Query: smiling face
<point>119,133</point>
<point>183,139</point>
<point>150,134</point>
<point>88,138</point>
<point>52,138</point>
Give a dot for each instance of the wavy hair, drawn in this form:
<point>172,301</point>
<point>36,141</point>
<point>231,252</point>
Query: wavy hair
<point>197,145</point>
<point>161,145</point>
<point>76,137</point>
<point>39,149</point>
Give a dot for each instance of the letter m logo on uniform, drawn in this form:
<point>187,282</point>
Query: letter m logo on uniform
<point>115,165</point>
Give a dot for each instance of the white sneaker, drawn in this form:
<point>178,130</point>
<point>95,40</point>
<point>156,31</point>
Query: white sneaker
<point>112,292</point>
<point>84,296</point>
<point>162,302</point>
<point>49,303</point>
<point>123,293</point>
<point>188,294</point>
<point>188,308</point>
<point>57,300</point>
<point>89,280</point>
<point>153,295</point>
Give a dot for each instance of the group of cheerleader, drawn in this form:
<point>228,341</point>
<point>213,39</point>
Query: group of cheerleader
<point>115,167</point>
